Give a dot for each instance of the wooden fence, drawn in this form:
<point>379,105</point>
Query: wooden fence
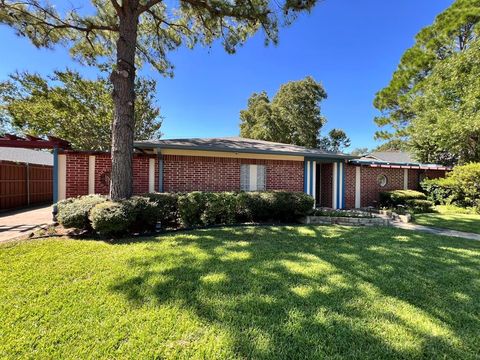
<point>24,184</point>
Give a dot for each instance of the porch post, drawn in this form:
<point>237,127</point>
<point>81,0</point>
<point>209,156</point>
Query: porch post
<point>55,183</point>
<point>338,185</point>
<point>334,185</point>
<point>309,178</point>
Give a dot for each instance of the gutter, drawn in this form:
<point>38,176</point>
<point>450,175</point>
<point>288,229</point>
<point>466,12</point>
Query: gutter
<point>308,155</point>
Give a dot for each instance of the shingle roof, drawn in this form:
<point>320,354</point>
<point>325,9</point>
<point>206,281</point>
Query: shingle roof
<point>239,145</point>
<point>395,158</point>
<point>392,157</point>
<point>26,156</point>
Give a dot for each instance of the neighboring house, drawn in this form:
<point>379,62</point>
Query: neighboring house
<point>26,177</point>
<point>233,164</point>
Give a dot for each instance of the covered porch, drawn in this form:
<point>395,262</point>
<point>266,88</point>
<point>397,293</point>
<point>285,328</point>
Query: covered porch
<point>324,180</point>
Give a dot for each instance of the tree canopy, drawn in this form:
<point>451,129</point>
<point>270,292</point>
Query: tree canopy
<point>293,116</point>
<point>72,108</point>
<point>446,126</point>
<point>453,32</point>
<point>336,141</point>
<point>124,35</point>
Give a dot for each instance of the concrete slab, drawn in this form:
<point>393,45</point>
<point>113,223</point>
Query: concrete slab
<point>436,231</point>
<point>21,223</point>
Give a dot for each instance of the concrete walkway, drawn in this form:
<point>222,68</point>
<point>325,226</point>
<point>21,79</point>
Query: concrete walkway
<point>436,231</point>
<point>21,223</point>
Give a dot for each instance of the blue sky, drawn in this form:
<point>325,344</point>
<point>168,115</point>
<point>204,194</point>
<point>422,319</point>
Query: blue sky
<point>352,47</point>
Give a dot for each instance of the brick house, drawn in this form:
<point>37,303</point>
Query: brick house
<point>232,164</point>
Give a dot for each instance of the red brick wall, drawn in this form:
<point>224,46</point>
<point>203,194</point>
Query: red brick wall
<point>350,186</point>
<point>370,190</point>
<point>190,173</point>
<point>435,174</point>
<point>103,168</point>
<point>77,174</point>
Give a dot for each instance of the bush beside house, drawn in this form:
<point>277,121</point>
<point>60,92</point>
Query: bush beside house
<point>142,213</point>
<point>461,187</point>
<point>407,200</point>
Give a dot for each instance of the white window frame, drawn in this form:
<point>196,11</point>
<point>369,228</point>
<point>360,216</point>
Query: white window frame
<point>253,177</point>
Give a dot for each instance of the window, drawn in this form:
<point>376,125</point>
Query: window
<point>382,180</point>
<point>252,177</point>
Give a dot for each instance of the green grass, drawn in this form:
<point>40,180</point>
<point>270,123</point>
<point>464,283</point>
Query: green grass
<point>451,217</point>
<point>243,293</point>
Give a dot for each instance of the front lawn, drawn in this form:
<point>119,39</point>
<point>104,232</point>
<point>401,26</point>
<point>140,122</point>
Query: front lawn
<point>451,217</point>
<point>243,293</point>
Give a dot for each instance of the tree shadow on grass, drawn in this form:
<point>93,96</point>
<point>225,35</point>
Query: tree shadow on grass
<point>316,292</point>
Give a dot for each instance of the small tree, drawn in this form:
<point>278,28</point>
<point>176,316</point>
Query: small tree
<point>127,34</point>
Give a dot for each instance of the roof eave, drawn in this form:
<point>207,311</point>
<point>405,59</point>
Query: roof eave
<point>147,145</point>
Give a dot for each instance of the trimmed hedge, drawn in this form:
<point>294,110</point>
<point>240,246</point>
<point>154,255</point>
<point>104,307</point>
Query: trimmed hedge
<point>206,208</point>
<point>418,206</point>
<point>111,218</point>
<point>166,205</point>
<point>399,197</point>
<point>142,213</point>
<point>73,212</point>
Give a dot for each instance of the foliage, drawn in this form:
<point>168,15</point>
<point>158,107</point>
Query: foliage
<point>166,207</point>
<point>446,127</point>
<point>392,145</point>
<point>416,89</point>
<point>203,208</point>
<point>296,292</point>
<point>111,218</point>
<point>460,187</point>
<point>419,206</point>
<point>144,213</point>
<point>292,117</point>
<point>73,212</point>
<point>360,151</point>
<point>336,141</point>
<point>191,207</point>
<point>220,208</point>
<point>439,191</point>
<point>394,198</point>
<point>73,108</point>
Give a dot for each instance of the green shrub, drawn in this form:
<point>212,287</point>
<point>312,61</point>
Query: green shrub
<point>112,218</point>
<point>289,206</point>
<point>418,206</point>
<point>254,207</point>
<point>143,212</point>
<point>191,207</point>
<point>198,209</point>
<point>220,208</point>
<point>399,197</point>
<point>73,212</point>
<point>439,191</point>
<point>461,186</point>
<point>166,207</point>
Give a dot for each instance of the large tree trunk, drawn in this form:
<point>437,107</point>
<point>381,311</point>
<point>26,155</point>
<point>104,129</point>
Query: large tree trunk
<point>123,79</point>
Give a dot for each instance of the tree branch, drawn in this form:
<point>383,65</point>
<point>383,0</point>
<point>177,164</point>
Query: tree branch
<point>147,6</point>
<point>116,6</point>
